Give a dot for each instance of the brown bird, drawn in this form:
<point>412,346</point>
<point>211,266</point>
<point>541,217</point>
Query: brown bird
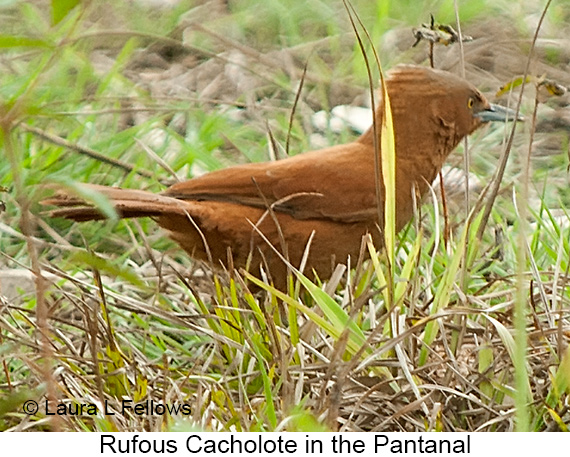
<point>330,192</point>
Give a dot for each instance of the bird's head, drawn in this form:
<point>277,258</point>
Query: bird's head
<point>427,102</point>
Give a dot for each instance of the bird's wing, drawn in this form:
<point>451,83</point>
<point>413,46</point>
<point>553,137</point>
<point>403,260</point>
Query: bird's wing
<point>336,183</point>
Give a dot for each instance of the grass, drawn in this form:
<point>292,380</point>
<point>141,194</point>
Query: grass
<point>122,314</point>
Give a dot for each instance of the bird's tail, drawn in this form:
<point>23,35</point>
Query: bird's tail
<point>127,203</point>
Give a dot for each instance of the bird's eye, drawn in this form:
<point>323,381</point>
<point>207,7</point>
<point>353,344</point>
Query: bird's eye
<point>470,102</point>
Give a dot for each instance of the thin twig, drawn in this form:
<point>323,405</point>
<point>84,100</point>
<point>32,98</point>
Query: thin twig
<point>85,151</point>
<point>496,183</point>
<point>293,109</point>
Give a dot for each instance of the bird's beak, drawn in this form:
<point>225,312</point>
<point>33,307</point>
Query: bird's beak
<point>498,113</point>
